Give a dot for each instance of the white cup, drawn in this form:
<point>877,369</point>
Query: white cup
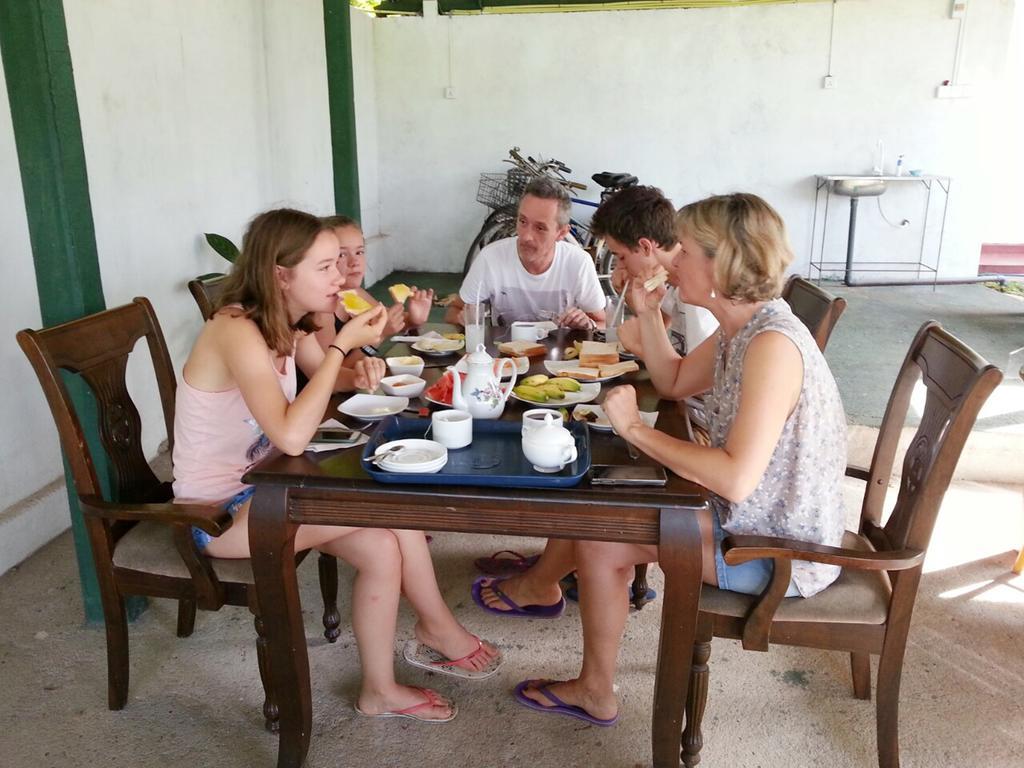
<point>452,429</point>
<point>522,331</point>
<point>475,335</point>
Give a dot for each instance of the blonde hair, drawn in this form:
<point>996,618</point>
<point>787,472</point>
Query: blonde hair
<point>747,240</point>
<point>277,238</point>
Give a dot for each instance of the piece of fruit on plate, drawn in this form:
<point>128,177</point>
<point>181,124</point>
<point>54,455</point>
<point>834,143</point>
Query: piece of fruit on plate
<point>354,303</point>
<point>441,390</point>
<point>454,336</point>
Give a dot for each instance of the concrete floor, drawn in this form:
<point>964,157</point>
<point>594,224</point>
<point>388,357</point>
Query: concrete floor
<point>196,701</point>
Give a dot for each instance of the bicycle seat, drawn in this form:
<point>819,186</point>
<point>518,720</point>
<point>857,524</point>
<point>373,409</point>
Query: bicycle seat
<point>610,180</point>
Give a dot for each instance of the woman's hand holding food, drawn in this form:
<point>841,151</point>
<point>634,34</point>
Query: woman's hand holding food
<point>367,328</point>
<point>396,320</point>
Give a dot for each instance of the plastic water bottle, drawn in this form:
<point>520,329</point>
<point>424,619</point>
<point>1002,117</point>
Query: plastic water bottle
<point>899,165</point>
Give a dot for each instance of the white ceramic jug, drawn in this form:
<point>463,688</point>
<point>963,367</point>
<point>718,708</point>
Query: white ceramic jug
<point>481,392</point>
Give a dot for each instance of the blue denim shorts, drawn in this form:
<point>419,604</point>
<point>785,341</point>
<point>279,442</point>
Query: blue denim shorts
<point>749,578</point>
<point>231,506</point>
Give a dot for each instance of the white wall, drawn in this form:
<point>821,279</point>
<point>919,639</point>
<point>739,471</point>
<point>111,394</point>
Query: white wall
<point>195,116</point>
<point>29,443</point>
<point>695,101</point>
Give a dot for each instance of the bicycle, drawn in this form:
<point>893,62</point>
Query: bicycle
<point>501,193</point>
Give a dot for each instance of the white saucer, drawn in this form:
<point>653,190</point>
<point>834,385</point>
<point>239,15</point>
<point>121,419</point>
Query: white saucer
<point>416,456</point>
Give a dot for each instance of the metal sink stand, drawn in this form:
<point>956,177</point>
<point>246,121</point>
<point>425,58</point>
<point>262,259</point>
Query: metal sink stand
<point>819,265</point>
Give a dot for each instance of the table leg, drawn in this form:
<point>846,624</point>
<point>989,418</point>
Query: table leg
<point>679,554</point>
<point>272,544</point>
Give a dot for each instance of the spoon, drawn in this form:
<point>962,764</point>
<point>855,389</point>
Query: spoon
<point>379,458</point>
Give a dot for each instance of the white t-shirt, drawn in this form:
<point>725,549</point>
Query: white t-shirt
<point>689,325</point>
<point>498,276</point>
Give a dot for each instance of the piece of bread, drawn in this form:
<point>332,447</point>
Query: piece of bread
<point>626,366</point>
<point>354,303</point>
<point>655,280</point>
<point>580,374</point>
<point>594,354</point>
<point>400,292</point>
<point>522,349</point>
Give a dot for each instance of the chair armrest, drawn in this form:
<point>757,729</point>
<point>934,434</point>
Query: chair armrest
<point>740,549</point>
<point>206,517</point>
<point>858,473</point>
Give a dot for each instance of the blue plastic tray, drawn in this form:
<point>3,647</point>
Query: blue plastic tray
<point>495,457</point>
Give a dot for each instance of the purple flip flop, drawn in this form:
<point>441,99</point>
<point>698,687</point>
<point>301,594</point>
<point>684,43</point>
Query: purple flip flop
<point>559,707</point>
<point>496,565</point>
<point>515,610</point>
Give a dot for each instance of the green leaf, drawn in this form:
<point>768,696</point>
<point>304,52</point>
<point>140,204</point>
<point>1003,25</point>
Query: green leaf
<point>222,246</point>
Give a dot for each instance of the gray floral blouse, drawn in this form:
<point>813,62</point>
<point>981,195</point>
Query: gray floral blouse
<point>800,494</point>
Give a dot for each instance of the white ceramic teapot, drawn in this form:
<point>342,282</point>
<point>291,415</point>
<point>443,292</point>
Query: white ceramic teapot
<point>549,446</point>
<point>481,392</point>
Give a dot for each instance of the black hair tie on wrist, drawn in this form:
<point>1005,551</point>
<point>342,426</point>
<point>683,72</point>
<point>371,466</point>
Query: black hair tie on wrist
<point>335,346</point>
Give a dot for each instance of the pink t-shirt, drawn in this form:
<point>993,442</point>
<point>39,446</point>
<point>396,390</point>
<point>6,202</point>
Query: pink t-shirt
<point>216,439</point>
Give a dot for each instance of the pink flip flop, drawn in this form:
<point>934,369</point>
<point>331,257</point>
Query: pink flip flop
<point>432,699</point>
<point>425,657</point>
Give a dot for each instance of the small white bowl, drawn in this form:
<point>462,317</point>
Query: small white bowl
<point>403,385</point>
<point>400,365</point>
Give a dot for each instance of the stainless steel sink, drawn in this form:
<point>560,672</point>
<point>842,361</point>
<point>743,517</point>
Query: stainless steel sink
<point>866,187</point>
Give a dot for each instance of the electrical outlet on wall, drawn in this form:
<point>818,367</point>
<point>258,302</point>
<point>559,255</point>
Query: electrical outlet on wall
<point>828,82</point>
<point>449,92</point>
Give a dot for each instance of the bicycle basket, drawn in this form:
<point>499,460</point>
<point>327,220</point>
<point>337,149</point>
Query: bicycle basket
<point>498,190</point>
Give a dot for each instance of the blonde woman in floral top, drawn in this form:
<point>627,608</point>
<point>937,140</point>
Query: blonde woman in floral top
<point>778,433</point>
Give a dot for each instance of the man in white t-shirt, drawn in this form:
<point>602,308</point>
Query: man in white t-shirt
<point>638,226</point>
<point>535,275</point>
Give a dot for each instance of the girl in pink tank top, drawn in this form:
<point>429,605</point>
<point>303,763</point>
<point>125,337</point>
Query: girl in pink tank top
<point>237,401</point>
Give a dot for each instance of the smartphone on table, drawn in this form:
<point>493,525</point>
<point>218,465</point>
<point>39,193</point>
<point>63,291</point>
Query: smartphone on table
<point>623,474</point>
<point>338,435</point>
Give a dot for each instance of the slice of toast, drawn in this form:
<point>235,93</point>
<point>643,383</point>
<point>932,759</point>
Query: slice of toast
<point>580,374</point>
<point>522,349</point>
<point>400,292</point>
<point>626,366</point>
<point>354,303</point>
<point>594,354</point>
<point>655,280</point>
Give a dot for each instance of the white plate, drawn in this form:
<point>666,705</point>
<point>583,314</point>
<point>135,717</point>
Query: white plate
<point>648,417</point>
<point>522,365</point>
<point>417,456</point>
<point>587,392</point>
<point>439,346</point>
<point>373,407</point>
<point>554,366</point>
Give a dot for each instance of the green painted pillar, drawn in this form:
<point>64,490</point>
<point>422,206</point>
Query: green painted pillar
<point>341,95</point>
<point>48,136</point>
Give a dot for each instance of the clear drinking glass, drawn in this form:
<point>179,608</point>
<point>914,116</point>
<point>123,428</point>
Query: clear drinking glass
<point>475,316</point>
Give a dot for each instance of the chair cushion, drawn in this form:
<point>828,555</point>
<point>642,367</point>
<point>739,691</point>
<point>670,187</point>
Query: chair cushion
<point>149,547</point>
<point>856,597</point>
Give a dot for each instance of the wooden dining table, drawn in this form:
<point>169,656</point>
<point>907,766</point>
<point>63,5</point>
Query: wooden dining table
<point>333,489</point>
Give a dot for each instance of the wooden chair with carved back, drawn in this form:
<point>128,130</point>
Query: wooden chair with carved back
<point>141,542</point>
<point>867,610</point>
<point>819,310</point>
<point>207,290</point>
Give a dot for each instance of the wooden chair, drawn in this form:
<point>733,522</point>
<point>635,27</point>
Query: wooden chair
<point>819,310</point>
<point>867,610</point>
<point>206,290</point>
<point>141,542</point>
